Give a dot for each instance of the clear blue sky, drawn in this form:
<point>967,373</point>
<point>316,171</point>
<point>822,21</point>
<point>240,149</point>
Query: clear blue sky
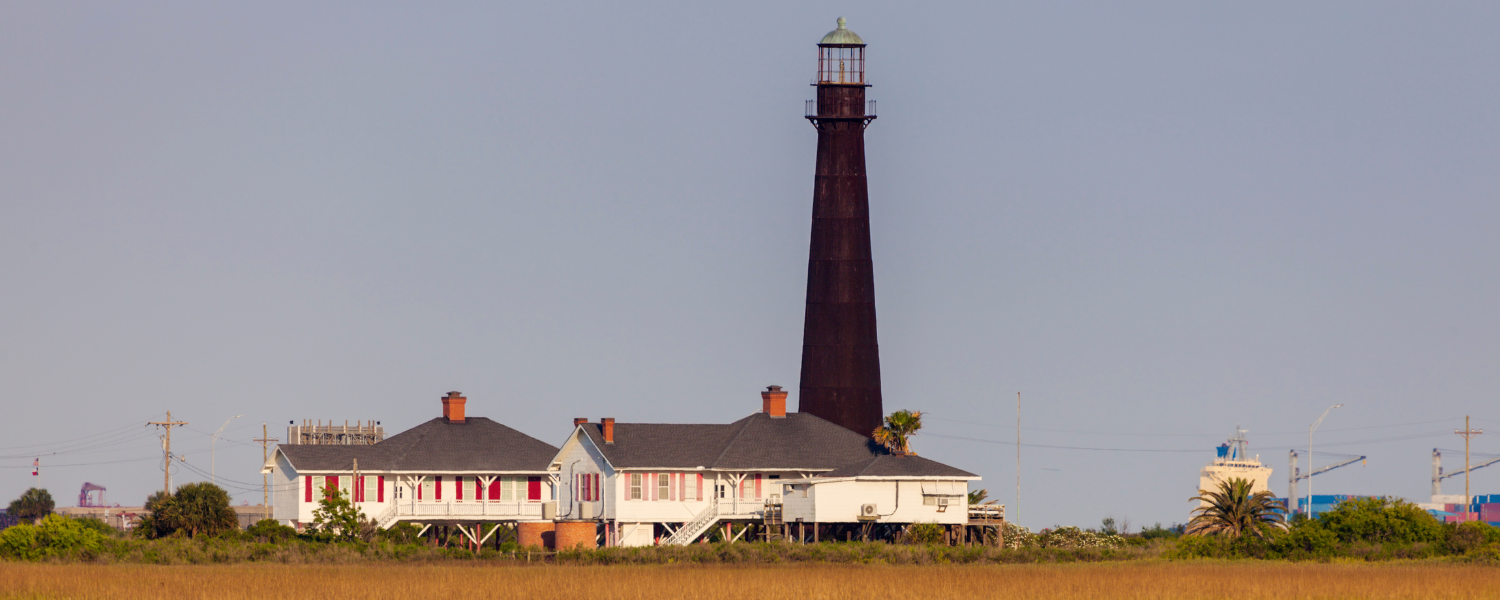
<point>1156,221</point>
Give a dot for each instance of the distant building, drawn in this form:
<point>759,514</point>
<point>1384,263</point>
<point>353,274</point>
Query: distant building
<point>453,469</point>
<point>1233,461</point>
<point>649,483</point>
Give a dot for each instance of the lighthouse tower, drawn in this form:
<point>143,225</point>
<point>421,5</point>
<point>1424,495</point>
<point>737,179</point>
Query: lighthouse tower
<point>840,356</point>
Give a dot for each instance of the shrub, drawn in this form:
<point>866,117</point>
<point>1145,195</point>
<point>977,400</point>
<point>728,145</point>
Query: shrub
<point>1465,537</point>
<point>97,525</point>
<point>1382,520</point>
<point>1158,532</point>
<point>1308,539</point>
<point>56,535</point>
<point>268,530</point>
<point>19,542</point>
<point>922,533</point>
<point>401,533</point>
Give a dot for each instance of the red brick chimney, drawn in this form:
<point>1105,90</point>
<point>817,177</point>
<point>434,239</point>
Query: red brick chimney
<point>609,429</point>
<point>579,421</point>
<point>453,407</point>
<point>773,402</point>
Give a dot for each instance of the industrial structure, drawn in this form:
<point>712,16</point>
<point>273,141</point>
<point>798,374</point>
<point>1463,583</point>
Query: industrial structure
<point>310,433</point>
<point>91,495</point>
<point>840,354</point>
<point>1314,504</point>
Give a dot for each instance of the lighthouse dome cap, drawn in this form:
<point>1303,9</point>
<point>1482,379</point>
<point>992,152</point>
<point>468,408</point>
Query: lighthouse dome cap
<point>841,37</point>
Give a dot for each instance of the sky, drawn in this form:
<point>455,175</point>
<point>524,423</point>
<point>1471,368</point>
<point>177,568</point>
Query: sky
<point>1155,221</point>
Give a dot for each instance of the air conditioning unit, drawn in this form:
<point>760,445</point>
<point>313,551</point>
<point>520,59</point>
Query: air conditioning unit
<point>867,511</point>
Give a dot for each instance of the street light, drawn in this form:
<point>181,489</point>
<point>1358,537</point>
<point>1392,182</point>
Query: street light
<point>213,473</point>
<point>1310,471</point>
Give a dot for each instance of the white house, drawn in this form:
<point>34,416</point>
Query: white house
<point>451,470</point>
<point>884,489</point>
<point>648,483</point>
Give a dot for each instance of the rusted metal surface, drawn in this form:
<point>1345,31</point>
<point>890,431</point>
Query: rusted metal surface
<point>840,352</point>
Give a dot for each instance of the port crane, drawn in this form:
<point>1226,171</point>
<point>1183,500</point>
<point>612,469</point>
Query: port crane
<point>1295,474</point>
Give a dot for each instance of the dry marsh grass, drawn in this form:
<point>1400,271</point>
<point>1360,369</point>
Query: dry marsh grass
<point>1153,580</point>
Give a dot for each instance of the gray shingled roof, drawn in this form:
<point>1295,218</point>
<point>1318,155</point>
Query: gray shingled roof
<point>477,444</point>
<point>910,465</point>
<point>799,441</point>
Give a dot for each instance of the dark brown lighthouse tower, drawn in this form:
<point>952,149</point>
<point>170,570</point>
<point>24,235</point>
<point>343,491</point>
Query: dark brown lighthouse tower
<point>840,356</point>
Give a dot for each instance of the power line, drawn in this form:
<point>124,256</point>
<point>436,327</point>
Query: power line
<point>1194,435</point>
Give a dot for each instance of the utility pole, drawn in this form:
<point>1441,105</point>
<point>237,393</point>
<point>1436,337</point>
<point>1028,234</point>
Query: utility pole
<point>1467,433</point>
<point>354,495</point>
<point>265,479</point>
<point>166,464</point>
<point>1015,511</point>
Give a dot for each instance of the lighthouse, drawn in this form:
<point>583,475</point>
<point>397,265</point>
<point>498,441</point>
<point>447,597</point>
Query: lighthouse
<point>840,355</point>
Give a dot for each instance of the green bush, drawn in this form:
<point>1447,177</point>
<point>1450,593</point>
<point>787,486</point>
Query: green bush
<point>1382,520</point>
<point>268,530</point>
<point>55,536</point>
<point>400,533</point>
<point>1308,539</point>
<point>1465,537</point>
<point>97,525</point>
<point>19,542</point>
<point>923,534</point>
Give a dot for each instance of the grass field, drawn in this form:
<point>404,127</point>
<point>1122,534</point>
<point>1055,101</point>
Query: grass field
<point>1206,580</point>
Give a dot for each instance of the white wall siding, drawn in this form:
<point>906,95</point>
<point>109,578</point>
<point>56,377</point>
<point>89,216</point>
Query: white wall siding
<point>840,502</point>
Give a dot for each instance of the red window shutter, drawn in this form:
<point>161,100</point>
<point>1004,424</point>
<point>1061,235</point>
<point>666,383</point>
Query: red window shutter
<point>380,489</point>
<point>307,495</point>
<point>437,487</point>
<point>478,489</point>
<point>458,487</point>
<point>533,488</point>
<point>757,485</point>
<point>682,486</point>
<point>331,485</point>
<point>700,486</point>
<point>651,483</point>
<point>358,493</point>
<point>596,486</point>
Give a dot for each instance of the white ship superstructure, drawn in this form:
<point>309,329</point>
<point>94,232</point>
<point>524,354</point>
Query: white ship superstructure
<point>1234,461</point>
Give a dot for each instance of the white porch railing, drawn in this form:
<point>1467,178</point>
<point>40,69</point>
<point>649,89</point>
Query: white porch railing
<point>493,510</point>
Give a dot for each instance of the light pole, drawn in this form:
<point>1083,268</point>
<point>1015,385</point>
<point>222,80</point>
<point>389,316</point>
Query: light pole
<point>1310,471</point>
<point>213,473</point>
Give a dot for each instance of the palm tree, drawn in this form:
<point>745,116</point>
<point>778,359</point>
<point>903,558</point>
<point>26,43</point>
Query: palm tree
<point>896,434</point>
<point>33,504</point>
<point>1234,511</point>
<point>978,498</point>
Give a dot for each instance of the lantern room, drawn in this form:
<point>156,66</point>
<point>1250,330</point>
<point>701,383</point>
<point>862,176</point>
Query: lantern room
<point>841,58</point>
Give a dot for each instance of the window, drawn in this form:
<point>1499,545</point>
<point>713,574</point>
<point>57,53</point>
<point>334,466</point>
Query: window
<point>747,488</point>
<point>507,489</point>
<point>663,486</point>
<point>425,491</point>
<point>635,486</point>
<point>689,487</point>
